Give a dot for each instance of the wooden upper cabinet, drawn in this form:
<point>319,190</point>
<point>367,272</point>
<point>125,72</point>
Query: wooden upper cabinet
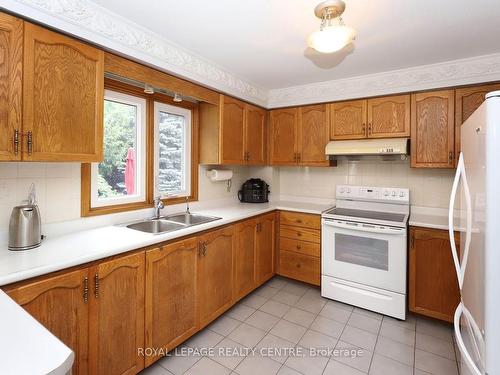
<point>117,315</point>
<point>467,100</point>
<point>389,117</point>
<point>215,273</point>
<point>432,129</point>
<point>245,236</point>
<point>313,135</point>
<point>265,248</point>
<point>255,134</point>
<point>11,75</point>
<point>348,120</point>
<point>171,295</point>
<point>60,304</point>
<point>63,90</point>
<point>283,127</point>
<point>433,285</point>
<point>232,133</point>
<point>233,130</point>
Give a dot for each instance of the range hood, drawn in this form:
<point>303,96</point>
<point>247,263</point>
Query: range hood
<point>369,147</point>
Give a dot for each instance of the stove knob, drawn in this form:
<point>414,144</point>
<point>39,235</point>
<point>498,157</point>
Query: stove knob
<point>342,190</point>
<point>393,193</point>
<point>401,194</point>
<point>348,190</point>
<point>386,193</point>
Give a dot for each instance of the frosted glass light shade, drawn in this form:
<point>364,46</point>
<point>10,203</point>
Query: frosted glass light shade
<point>331,38</point>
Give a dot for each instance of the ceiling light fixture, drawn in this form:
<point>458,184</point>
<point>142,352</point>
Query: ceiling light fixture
<point>333,35</point>
<point>148,89</point>
<point>177,98</point>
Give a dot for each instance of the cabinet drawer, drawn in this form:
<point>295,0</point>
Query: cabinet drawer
<point>302,247</point>
<point>300,267</point>
<point>303,234</point>
<point>300,219</point>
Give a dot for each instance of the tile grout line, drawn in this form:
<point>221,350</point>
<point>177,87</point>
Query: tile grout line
<point>375,347</point>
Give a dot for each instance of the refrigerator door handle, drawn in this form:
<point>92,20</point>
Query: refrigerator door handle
<point>466,357</point>
<point>460,175</point>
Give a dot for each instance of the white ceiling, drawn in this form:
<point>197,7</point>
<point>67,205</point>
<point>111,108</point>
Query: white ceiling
<point>263,41</point>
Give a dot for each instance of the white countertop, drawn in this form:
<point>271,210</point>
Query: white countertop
<point>430,217</point>
<point>89,245</point>
<point>26,346</point>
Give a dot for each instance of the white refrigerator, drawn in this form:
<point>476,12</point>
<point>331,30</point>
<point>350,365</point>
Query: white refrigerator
<point>476,197</point>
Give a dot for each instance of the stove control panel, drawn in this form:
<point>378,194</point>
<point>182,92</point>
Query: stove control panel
<point>372,193</point>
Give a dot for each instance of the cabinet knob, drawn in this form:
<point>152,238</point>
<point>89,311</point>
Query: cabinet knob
<point>299,247</point>
<point>299,234</point>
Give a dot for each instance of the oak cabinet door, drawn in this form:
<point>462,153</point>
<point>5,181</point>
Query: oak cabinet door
<point>283,136</point>
<point>117,316</point>
<point>313,135</point>
<point>255,135</point>
<point>63,89</point>
<point>432,129</point>
<point>11,76</point>
<point>245,238</point>
<point>348,120</point>
<point>60,304</point>
<point>215,274</point>
<point>265,248</point>
<point>467,100</point>
<point>389,117</point>
<point>433,285</point>
<point>233,131</point>
<point>171,295</point>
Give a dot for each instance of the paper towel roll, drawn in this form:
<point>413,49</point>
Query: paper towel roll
<point>220,174</point>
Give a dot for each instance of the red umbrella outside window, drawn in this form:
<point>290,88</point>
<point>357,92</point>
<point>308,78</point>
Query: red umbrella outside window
<point>130,171</point>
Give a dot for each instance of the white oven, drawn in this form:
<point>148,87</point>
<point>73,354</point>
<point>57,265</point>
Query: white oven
<point>369,254</point>
<point>364,249</point>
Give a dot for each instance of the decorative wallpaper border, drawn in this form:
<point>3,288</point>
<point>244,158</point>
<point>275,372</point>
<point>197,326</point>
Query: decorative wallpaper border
<point>446,74</point>
<point>89,21</point>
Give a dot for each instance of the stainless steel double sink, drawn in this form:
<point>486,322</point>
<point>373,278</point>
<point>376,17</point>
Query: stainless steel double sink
<point>171,223</point>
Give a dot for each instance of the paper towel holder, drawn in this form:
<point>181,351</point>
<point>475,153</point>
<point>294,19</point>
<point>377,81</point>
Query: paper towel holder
<point>221,175</point>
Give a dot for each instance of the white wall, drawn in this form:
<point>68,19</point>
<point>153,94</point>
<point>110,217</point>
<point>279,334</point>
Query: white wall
<point>428,187</point>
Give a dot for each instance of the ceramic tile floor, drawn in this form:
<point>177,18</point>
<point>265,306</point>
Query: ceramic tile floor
<point>285,321</point>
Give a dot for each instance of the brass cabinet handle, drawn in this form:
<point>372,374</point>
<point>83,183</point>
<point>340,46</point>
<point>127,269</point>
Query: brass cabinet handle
<point>363,127</point>
<point>85,289</point>
<point>369,128</point>
<point>298,157</point>
<point>30,142</point>
<point>450,157</point>
<point>16,142</point>
<point>96,285</point>
<point>202,248</point>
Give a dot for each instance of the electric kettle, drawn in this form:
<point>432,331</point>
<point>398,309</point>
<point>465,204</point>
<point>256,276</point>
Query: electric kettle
<point>25,225</point>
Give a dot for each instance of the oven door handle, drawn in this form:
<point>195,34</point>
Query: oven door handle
<point>365,228</point>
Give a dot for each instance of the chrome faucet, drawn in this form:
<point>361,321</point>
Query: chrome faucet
<point>158,205</point>
<point>187,206</point>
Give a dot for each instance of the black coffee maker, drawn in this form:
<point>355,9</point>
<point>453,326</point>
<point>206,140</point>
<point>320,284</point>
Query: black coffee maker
<point>254,190</point>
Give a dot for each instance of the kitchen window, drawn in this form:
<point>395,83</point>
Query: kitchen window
<point>150,149</point>
<point>172,154</point>
<point>121,177</point>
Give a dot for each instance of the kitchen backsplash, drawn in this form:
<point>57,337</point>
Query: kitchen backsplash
<point>428,187</point>
<point>58,184</point>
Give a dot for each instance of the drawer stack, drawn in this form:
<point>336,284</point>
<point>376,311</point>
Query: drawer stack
<point>300,246</point>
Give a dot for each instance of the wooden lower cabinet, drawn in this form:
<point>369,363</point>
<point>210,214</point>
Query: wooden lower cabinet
<point>116,325</point>
<point>245,235</point>
<point>215,273</point>
<point>300,247</point>
<point>171,295</point>
<point>433,285</point>
<point>109,310</point>
<point>61,304</point>
<point>265,248</point>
